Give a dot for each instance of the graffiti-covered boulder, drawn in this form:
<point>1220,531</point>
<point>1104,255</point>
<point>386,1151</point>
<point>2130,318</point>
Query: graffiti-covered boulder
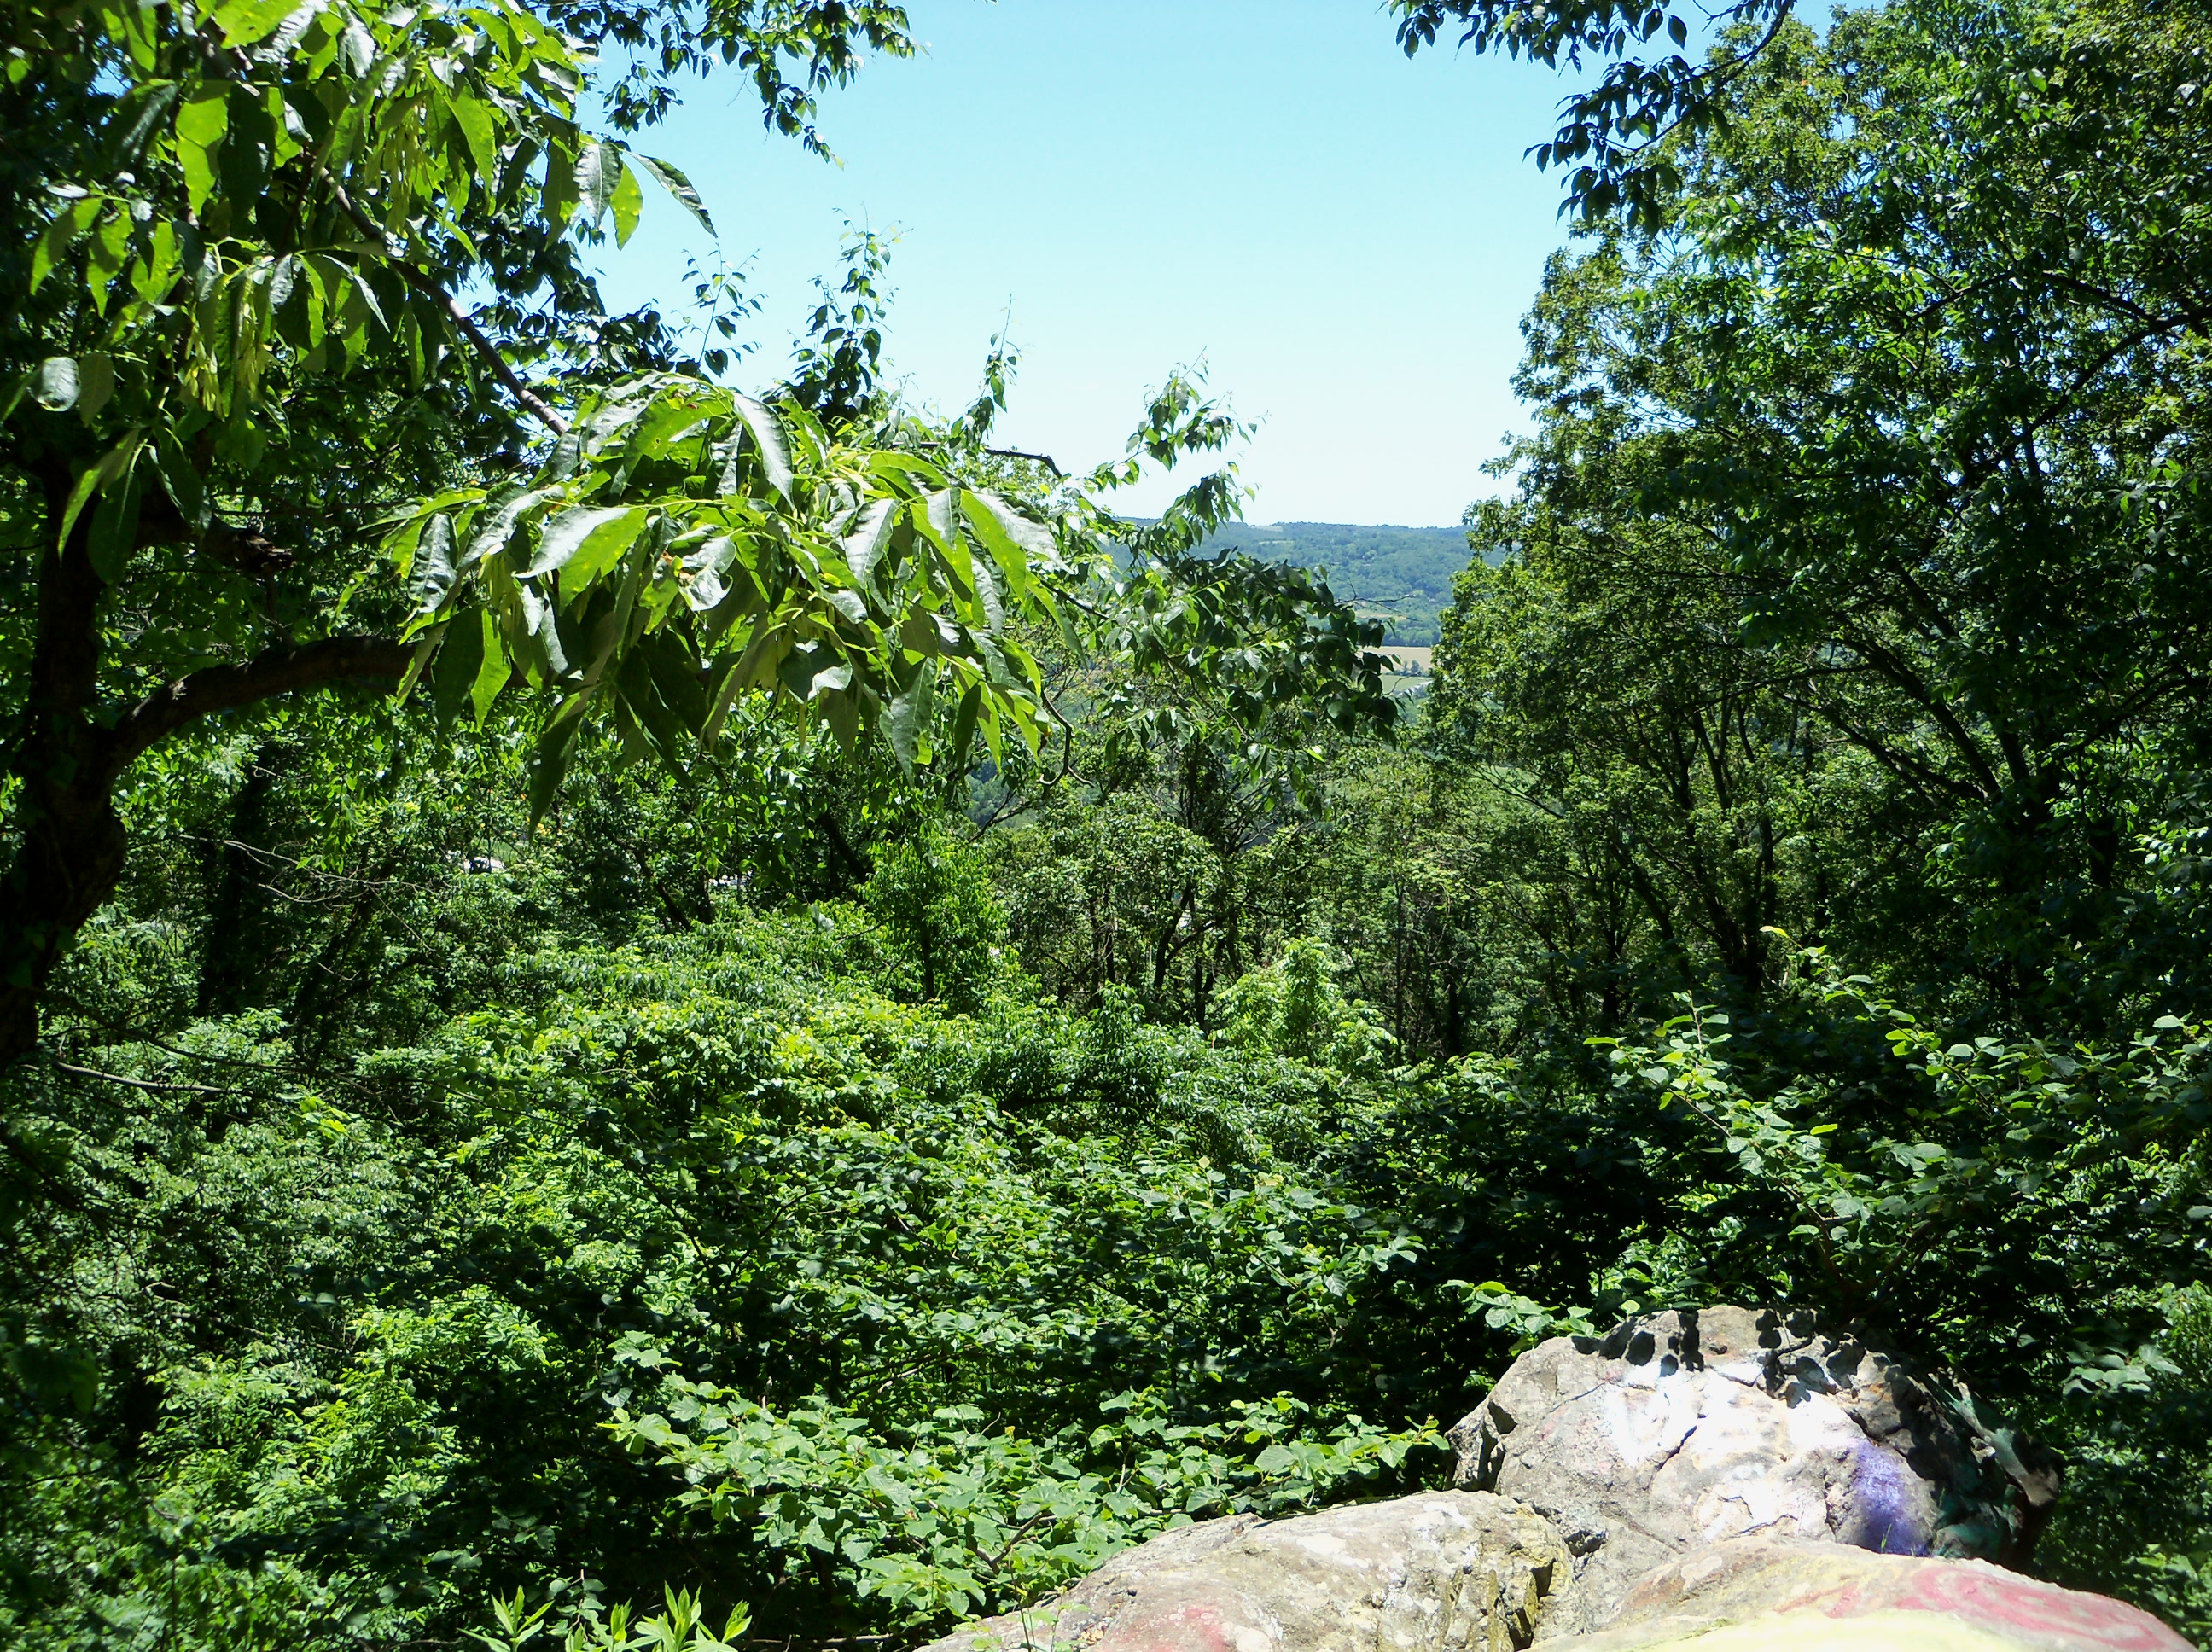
<point>1679,1429</point>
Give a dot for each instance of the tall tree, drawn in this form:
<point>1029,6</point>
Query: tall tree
<point>1911,377</point>
<point>311,386</point>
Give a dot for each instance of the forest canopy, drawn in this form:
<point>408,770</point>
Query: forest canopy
<point>643,1010</point>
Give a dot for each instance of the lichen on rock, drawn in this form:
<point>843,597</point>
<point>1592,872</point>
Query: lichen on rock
<point>1449,1571</point>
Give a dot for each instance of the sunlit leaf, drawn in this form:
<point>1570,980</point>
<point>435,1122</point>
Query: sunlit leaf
<point>767,432</point>
<point>628,201</point>
<point>56,385</point>
<point>201,120</point>
<point>678,186</point>
<point>598,172</point>
<point>245,22</point>
<point>431,575</point>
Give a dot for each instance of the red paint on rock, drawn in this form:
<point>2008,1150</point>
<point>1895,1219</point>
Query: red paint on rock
<point>1195,1626</point>
<point>1982,1595</point>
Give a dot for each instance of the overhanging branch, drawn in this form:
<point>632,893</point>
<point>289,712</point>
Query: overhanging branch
<point>281,670</point>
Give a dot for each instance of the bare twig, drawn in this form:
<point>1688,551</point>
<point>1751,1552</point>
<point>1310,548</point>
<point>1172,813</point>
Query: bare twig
<point>1045,459</point>
<point>136,1084</point>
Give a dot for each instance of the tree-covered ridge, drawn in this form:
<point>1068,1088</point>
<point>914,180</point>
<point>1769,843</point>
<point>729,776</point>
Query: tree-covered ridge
<point>1400,576</point>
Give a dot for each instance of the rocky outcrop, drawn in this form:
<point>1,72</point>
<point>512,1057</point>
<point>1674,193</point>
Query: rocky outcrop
<point>1680,1430</point>
<point>1725,1480</point>
<point>1762,1592</point>
<point>1451,1571</point>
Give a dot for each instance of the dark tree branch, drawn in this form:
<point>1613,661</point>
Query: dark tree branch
<point>281,670</point>
<point>1045,459</point>
<point>74,847</point>
<point>134,1083</point>
<point>423,282</point>
<point>1889,665</point>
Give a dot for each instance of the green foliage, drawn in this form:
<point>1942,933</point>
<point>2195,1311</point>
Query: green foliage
<point>959,1518</point>
<point>1293,1008</point>
<point>1967,1182</point>
<point>549,1172</point>
<point>1743,693</point>
<point>1527,1321</point>
<point>246,236</point>
<point>468,1178</point>
<point>939,918</point>
<point>1098,897</point>
<point>680,1627</point>
<point>1611,135</point>
<point>1810,618</point>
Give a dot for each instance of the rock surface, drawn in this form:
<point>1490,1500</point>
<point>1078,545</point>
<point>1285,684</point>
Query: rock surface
<point>1763,1593</point>
<point>1680,1430</point>
<point>1724,1480</point>
<point>1449,1571</point>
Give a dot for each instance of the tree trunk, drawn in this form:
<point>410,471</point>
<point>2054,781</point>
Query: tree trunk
<point>71,847</point>
<point>70,853</point>
<point>69,861</point>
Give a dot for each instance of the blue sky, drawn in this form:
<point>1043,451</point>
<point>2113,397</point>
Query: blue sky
<point>1348,237</point>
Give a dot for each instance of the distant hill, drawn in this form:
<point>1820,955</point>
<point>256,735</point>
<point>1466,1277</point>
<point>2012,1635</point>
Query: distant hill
<point>1401,576</point>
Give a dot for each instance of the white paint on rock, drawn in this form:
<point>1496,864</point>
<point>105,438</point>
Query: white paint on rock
<point>1679,1431</point>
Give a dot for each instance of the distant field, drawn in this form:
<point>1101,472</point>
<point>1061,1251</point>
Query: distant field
<point>1409,670</point>
<point>1401,576</point>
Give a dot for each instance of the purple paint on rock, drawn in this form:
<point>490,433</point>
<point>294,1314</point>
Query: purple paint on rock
<point>1882,1492</point>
